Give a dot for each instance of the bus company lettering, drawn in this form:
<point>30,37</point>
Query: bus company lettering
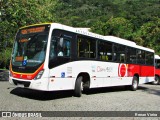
<point>104,69</point>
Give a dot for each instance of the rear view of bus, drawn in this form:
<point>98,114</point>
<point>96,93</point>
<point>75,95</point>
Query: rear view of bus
<point>28,57</point>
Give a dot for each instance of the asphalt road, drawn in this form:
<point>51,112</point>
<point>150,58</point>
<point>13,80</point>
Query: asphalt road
<point>146,98</point>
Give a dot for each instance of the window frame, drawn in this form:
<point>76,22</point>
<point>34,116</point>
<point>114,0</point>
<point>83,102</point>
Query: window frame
<point>93,43</point>
<point>104,57</point>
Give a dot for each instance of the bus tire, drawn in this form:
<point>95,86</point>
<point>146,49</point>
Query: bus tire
<point>156,81</point>
<point>134,85</point>
<point>86,87</point>
<point>78,87</point>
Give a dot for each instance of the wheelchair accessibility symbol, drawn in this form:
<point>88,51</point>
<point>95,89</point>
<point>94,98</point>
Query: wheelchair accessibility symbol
<point>62,74</point>
<point>24,63</point>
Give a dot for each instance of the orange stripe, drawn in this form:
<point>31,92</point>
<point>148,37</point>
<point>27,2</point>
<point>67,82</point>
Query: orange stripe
<point>28,76</point>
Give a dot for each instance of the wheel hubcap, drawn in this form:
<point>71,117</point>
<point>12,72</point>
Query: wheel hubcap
<point>135,84</point>
<point>156,81</point>
<point>81,86</point>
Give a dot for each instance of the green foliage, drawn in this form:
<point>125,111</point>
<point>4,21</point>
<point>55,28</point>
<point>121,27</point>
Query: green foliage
<point>149,33</point>
<point>119,27</point>
<point>5,55</point>
<point>121,18</point>
<point>18,13</point>
<point>135,20</point>
<point>99,27</point>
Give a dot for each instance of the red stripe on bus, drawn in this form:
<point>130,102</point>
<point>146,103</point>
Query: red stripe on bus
<point>26,76</point>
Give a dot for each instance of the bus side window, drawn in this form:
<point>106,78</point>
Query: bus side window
<point>86,47</point>
<point>131,55</point>
<point>122,58</point>
<point>105,51</point>
<point>140,56</point>
<point>149,58</point>
<point>119,53</point>
<point>158,65</point>
<point>66,47</point>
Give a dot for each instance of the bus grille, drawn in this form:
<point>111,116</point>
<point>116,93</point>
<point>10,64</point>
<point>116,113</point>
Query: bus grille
<point>25,83</point>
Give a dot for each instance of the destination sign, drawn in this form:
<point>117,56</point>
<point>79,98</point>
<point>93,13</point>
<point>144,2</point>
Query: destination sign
<point>33,30</point>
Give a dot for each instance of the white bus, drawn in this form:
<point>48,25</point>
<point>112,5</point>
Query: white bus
<point>53,57</point>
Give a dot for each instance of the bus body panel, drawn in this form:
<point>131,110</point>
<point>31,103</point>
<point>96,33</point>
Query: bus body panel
<point>26,76</point>
<point>147,71</point>
<point>41,84</point>
<point>101,73</point>
<point>157,72</point>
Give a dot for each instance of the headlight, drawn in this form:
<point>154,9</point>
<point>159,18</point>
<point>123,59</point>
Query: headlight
<point>39,75</point>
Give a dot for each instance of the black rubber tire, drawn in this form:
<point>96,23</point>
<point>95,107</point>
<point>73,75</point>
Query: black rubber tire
<point>157,81</point>
<point>134,85</point>
<point>86,87</point>
<point>78,89</point>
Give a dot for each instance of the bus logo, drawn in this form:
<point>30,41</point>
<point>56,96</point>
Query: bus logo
<point>122,70</point>
<point>6,114</point>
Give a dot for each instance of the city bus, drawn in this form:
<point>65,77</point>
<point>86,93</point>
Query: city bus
<point>157,70</point>
<point>53,57</point>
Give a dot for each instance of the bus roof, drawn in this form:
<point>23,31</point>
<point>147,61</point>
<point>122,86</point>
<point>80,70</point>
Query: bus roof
<point>120,40</point>
<point>35,25</point>
<point>157,57</point>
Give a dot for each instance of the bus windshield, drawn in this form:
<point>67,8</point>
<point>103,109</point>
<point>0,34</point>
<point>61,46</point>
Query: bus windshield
<point>30,47</point>
<point>157,63</point>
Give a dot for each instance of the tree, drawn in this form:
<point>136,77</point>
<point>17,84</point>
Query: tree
<point>119,27</point>
<point>149,33</point>
<point>17,13</point>
<point>136,20</point>
<point>99,27</point>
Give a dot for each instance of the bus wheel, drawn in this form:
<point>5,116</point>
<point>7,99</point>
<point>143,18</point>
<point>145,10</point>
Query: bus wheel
<point>134,85</point>
<point>156,81</point>
<point>78,87</point>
